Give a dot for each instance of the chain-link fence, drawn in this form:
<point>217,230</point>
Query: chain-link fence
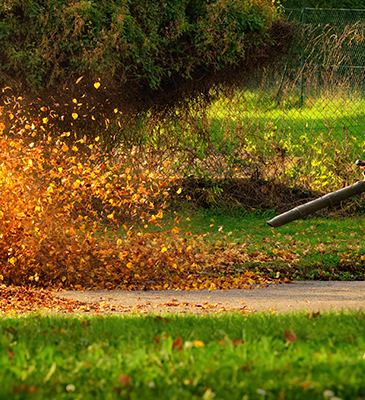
<point>303,121</point>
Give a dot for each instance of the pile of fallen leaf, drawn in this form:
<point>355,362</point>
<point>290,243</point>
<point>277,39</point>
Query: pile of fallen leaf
<point>15,299</point>
<point>20,300</point>
<point>75,217</point>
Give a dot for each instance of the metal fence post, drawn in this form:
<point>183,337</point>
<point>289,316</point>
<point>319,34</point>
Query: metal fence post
<point>302,64</point>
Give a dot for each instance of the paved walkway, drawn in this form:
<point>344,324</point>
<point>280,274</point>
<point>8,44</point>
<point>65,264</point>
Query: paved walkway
<point>299,296</point>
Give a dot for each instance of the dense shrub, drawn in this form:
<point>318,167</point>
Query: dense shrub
<point>143,53</point>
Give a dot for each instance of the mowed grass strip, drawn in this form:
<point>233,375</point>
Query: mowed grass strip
<point>230,356</point>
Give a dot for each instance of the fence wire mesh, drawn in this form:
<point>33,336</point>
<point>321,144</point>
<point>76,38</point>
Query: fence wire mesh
<point>302,122</point>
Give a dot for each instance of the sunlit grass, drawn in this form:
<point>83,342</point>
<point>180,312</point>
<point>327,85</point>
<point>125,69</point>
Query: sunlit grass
<point>235,356</point>
<point>262,116</point>
<point>314,248</point>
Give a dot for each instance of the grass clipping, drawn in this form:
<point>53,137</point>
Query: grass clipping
<point>69,218</point>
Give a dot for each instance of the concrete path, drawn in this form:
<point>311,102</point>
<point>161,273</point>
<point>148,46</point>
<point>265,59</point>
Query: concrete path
<point>299,296</point>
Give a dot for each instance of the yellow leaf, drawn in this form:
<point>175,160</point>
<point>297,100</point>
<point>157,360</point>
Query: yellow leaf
<point>43,108</point>
<point>198,343</point>
<point>12,260</point>
<point>79,79</point>
<point>175,230</point>
<point>97,138</point>
<point>163,249</point>
<point>74,148</point>
<point>45,120</point>
<point>74,101</point>
<point>64,147</point>
<point>63,278</point>
<point>96,85</point>
<point>75,115</point>
<point>179,191</point>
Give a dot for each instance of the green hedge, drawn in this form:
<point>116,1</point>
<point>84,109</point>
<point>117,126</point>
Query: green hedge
<point>146,54</point>
<point>44,41</point>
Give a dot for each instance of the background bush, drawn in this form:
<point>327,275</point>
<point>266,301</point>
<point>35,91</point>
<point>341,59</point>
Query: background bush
<point>145,54</point>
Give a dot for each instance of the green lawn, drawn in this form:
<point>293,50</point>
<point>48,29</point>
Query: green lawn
<point>338,117</point>
<point>314,248</point>
<point>230,356</point>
